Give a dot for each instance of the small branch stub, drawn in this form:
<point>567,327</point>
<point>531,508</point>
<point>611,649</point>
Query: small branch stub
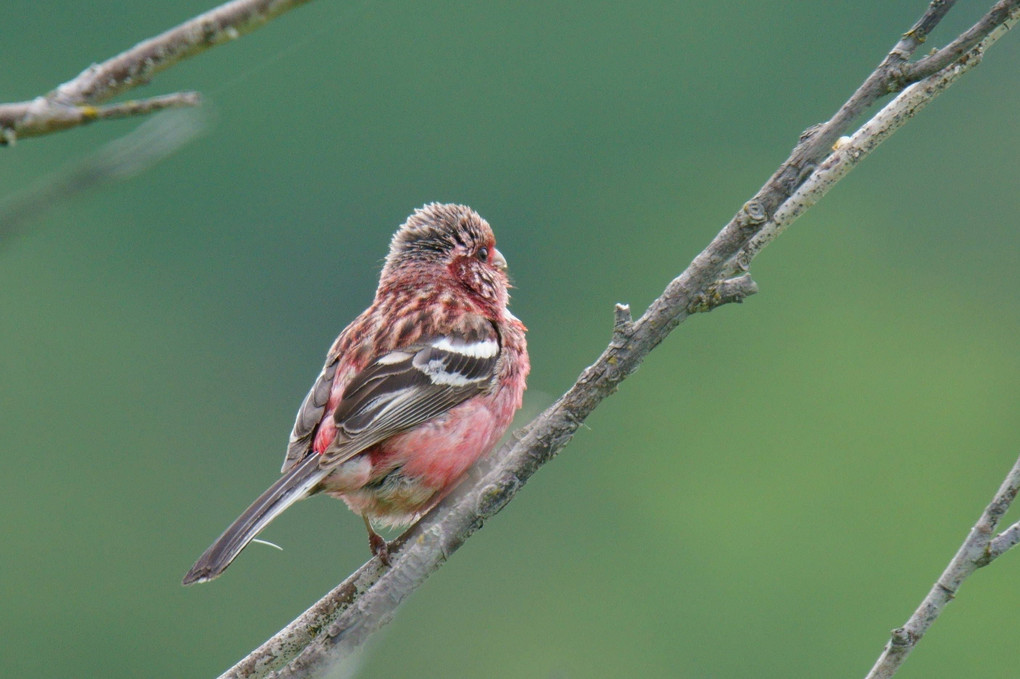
<point>724,292</point>
<point>735,290</point>
<point>1003,542</point>
<point>755,211</point>
<point>901,637</point>
<point>622,321</point>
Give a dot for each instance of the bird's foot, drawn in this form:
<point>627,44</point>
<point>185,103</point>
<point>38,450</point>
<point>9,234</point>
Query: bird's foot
<point>377,544</point>
<point>379,548</point>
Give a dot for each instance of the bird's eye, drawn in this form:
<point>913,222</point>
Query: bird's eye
<point>482,254</point>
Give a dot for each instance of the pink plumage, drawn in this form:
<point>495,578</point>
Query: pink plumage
<point>417,388</point>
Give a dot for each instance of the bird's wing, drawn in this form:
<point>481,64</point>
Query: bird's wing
<point>411,385</point>
<point>397,390</point>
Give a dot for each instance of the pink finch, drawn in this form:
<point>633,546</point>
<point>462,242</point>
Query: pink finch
<point>414,391</point>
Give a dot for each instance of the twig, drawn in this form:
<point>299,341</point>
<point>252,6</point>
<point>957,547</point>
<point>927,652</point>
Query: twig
<point>889,77</point>
<point>850,151</point>
<point>967,40</point>
<point>708,282</point>
<point>75,102</point>
<point>975,552</point>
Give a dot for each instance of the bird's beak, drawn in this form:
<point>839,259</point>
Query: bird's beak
<point>498,259</point>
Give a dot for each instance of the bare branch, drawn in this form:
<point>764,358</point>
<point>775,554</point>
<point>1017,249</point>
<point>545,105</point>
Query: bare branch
<point>850,151</point>
<point>888,78</point>
<point>137,107</point>
<point>716,276</point>
<point>74,102</point>
<point>967,41</point>
<point>973,554</point>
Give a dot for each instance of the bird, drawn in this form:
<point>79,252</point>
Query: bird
<point>413,392</point>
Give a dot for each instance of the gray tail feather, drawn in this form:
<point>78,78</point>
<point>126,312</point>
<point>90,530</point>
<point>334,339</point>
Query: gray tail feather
<point>295,485</point>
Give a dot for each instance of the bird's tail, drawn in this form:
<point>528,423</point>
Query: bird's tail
<point>296,484</point>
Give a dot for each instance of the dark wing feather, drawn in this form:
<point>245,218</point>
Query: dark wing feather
<point>309,416</point>
<point>407,387</point>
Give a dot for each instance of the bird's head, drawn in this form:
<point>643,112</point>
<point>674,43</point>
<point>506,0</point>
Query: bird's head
<point>447,244</point>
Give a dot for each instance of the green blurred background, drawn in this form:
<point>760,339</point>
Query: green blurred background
<point>772,492</point>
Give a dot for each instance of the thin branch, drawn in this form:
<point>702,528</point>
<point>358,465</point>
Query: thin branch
<point>138,107</point>
<point>888,78</point>
<point>973,554</point>
<point>74,103</point>
<point>707,282</point>
<point>850,151</point>
<point>967,41</point>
